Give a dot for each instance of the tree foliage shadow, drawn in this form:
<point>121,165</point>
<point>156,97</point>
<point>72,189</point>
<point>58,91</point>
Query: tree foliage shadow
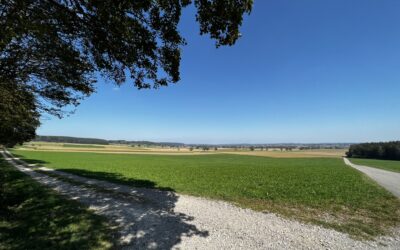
<point>34,217</point>
<point>142,225</point>
<point>28,160</point>
<point>147,224</point>
<point>116,178</point>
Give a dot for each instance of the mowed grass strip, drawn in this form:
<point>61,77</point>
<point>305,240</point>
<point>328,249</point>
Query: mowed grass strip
<point>382,164</point>
<point>320,190</point>
<point>35,217</point>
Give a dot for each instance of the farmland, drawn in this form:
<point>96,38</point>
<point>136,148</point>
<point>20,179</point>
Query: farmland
<point>68,145</point>
<point>126,149</point>
<point>318,190</point>
<point>382,164</point>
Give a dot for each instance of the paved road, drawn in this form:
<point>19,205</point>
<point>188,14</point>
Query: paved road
<point>388,179</point>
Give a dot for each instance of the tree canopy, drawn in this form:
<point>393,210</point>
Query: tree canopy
<point>53,49</point>
<point>18,116</point>
<point>377,150</point>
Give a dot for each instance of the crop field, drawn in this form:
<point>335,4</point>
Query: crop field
<point>69,145</point>
<point>113,148</point>
<point>382,164</point>
<point>127,149</point>
<point>317,190</point>
<point>311,153</point>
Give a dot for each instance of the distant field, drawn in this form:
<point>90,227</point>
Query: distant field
<point>383,164</point>
<point>127,149</point>
<point>112,148</point>
<point>67,145</point>
<point>334,153</point>
<point>318,190</point>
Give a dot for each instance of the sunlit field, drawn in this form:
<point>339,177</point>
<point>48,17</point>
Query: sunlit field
<point>318,190</point>
<point>276,153</point>
<point>126,149</point>
<point>382,164</point>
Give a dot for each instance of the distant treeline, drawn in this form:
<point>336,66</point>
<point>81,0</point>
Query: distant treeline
<point>283,146</point>
<point>300,146</point>
<point>379,150</point>
<point>68,139</point>
<point>147,143</point>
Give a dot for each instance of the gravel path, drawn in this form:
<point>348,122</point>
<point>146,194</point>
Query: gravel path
<point>154,219</point>
<point>388,179</point>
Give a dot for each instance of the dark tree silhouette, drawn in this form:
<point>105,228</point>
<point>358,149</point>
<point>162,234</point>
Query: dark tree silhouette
<point>18,122</point>
<point>53,49</point>
<point>379,150</point>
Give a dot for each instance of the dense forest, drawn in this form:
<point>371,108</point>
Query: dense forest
<point>68,139</point>
<point>378,150</point>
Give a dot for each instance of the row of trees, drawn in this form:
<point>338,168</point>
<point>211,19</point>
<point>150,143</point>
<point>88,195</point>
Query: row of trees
<point>147,143</point>
<point>204,148</point>
<point>68,139</point>
<point>80,140</point>
<point>379,150</point>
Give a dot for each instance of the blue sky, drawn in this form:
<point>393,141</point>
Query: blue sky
<point>304,71</point>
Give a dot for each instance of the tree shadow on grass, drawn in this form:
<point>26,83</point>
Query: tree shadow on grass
<point>116,178</point>
<point>149,222</point>
<point>29,161</point>
<point>145,223</point>
<point>34,217</point>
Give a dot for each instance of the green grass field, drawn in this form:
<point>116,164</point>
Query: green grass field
<point>318,190</point>
<point>34,217</point>
<point>383,164</point>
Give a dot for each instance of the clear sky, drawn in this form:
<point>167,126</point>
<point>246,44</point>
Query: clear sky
<point>304,71</point>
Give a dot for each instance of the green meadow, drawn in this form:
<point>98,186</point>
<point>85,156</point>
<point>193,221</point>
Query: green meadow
<point>382,164</point>
<point>318,190</point>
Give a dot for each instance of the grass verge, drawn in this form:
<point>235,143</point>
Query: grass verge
<point>382,164</point>
<point>35,217</point>
<point>323,191</point>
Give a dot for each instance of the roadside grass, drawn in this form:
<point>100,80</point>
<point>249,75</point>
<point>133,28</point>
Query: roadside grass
<point>35,217</point>
<point>323,191</point>
<point>382,164</point>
